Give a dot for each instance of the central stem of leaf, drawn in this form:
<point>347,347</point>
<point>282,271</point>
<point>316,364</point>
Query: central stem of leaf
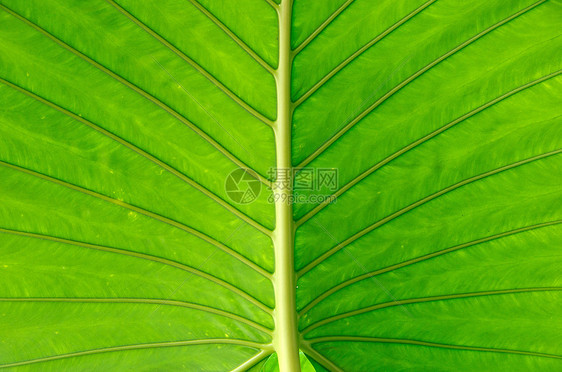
<point>286,340</point>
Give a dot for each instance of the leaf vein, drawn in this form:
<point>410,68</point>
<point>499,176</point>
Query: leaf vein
<point>148,257</point>
<point>318,357</point>
<point>359,52</point>
<point>252,53</point>
<point>420,202</point>
<point>244,217</point>
<point>150,301</point>
<point>273,4</point>
<point>427,299</point>
<point>244,367</point>
<point>193,64</point>
<point>138,90</point>
<point>430,344</point>
<point>142,211</point>
<point>322,26</point>
<point>137,347</point>
<point>423,258</point>
<point>377,103</point>
<point>417,143</point>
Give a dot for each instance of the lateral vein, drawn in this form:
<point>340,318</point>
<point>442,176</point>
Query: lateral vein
<point>233,36</point>
<point>420,202</point>
<point>153,345</point>
<point>423,258</point>
<point>145,256</point>
<point>244,217</point>
<point>322,26</point>
<point>194,64</point>
<point>273,4</point>
<point>139,91</point>
<point>244,367</point>
<point>419,142</point>
<point>359,52</point>
<point>150,301</point>
<point>377,103</point>
<point>410,301</point>
<point>429,344</point>
<point>144,212</point>
<point>320,358</point>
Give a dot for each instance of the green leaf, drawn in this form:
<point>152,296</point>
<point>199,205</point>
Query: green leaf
<point>148,220</point>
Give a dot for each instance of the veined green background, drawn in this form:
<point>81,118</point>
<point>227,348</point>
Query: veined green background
<point>120,121</point>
